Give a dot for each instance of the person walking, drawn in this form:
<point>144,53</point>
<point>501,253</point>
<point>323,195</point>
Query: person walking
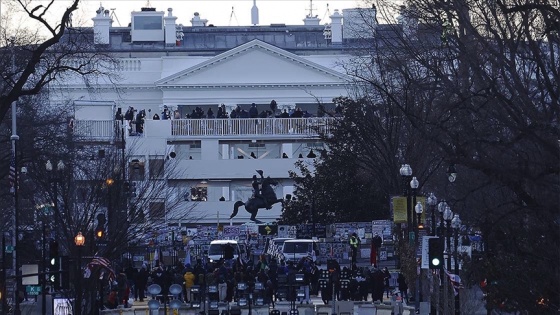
<point>403,287</point>
<point>386,277</point>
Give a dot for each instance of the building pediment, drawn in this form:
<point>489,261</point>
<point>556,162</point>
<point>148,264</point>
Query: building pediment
<point>255,64</point>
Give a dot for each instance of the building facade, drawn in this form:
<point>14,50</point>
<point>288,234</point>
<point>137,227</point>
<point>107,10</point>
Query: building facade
<point>187,82</point>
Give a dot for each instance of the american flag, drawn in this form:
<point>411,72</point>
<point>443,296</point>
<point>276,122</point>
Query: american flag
<point>12,174</point>
<point>104,263</point>
<point>455,282</point>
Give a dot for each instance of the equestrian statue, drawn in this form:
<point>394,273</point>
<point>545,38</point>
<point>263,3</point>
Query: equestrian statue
<point>263,197</point>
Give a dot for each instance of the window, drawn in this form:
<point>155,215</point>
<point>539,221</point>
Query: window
<point>136,170</point>
<point>157,210</point>
<point>148,23</point>
<point>199,193</point>
<point>156,168</point>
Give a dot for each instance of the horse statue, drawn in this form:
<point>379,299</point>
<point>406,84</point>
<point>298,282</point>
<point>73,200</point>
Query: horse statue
<point>255,203</point>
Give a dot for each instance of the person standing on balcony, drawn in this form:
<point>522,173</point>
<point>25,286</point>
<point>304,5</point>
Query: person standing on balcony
<point>253,111</point>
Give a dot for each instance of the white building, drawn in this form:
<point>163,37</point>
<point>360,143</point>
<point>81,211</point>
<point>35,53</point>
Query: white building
<point>164,65</point>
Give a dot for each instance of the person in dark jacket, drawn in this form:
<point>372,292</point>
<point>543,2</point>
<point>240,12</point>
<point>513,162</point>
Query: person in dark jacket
<point>141,281</point>
<point>403,287</point>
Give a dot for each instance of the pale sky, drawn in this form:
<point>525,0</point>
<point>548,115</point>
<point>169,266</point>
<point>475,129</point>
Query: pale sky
<point>217,12</point>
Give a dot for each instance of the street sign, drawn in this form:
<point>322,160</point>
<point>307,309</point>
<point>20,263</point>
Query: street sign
<point>33,289</point>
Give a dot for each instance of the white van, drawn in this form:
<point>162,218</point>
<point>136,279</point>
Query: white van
<point>216,250</point>
<point>295,250</point>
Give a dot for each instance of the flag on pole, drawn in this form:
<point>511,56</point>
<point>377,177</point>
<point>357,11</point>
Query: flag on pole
<point>12,174</point>
<point>455,282</point>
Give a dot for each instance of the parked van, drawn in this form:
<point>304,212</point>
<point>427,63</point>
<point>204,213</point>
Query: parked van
<point>296,249</point>
<point>216,250</point>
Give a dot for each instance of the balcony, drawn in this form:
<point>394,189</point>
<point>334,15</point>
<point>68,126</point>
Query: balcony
<point>223,128</point>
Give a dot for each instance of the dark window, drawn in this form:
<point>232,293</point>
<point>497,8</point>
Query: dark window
<point>136,170</point>
<point>156,168</point>
<point>199,193</point>
<point>157,210</point>
<point>148,23</point>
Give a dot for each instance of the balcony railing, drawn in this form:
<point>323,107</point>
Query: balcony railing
<point>251,126</point>
<point>97,129</point>
<point>109,129</point>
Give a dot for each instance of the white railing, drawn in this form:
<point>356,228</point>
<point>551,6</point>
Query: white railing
<point>251,126</point>
<point>96,129</point>
<point>108,129</point>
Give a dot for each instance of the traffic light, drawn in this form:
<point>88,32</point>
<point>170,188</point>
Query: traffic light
<point>132,189</point>
<point>126,186</point>
<point>54,265</point>
<point>100,228</point>
<point>435,253</point>
<point>99,232</point>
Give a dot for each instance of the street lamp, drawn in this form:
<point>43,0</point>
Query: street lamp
<point>79,240</point>
<point>59,168</point>
<point>419,209</point>
<point>456,224</point>
<point>432,202</point>
<point>441,208</point>
<point>414,186</point>
<point>451,173</point>
<point>406,174</point>
<point>447,216</point>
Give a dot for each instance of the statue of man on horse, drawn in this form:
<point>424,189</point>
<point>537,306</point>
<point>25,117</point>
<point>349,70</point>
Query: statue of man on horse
<point>263,197</point>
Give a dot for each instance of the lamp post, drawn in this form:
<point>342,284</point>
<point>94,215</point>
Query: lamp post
<point>441,208</point>
<point>79,240</point>
<point>55,179</point>
<point>414,186</point>
<point>406,174</point>
<point>432,202</point>
<point>418,208</point>
<point>456,224</point>
<point>447,216</point>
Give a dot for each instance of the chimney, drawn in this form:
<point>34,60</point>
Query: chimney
<point>336,27</point>
<point>170,28</point>
<point>311,20</point>
<point>101,25</point>
<point>255,13</point>
<point>197,21</point>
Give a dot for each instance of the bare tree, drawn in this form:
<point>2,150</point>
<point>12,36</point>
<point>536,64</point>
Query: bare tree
<point>477,83</point>
<point>29,60</point>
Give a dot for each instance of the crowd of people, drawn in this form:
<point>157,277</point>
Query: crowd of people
<point>135,118</point>
<point>269,281</point>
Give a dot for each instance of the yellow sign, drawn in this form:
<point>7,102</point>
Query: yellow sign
<point>400,212</point>
<point>399,209</point>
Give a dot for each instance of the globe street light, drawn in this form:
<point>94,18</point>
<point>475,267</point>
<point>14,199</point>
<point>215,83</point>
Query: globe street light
<point>456,224</point>
<point>451,173</point>
<point>432,202</point>
<point>79,240</point>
